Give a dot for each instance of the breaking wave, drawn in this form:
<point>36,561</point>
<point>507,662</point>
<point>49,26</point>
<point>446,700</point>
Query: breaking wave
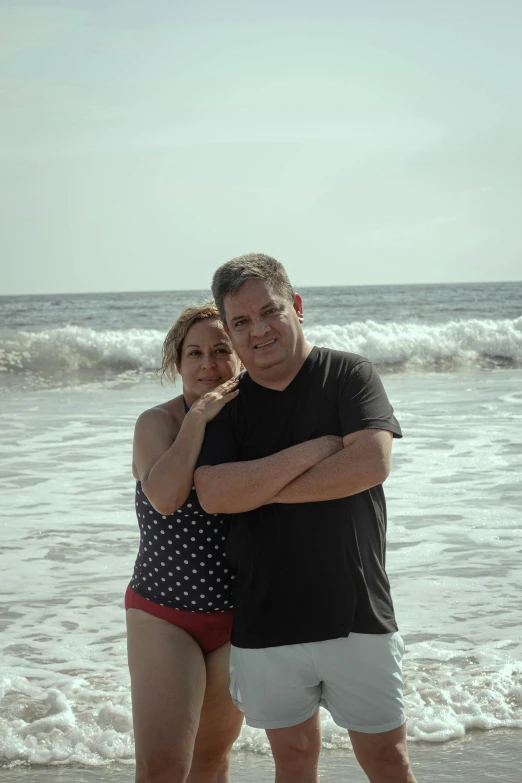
<point>76,354</point>
<point>448,346</point>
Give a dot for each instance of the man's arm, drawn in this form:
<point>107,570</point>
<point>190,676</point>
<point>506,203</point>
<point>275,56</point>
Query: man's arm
<point>235,487</point>
<point>364,462</point>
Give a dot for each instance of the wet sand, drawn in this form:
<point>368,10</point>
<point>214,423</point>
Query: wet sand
<point>477,758</point>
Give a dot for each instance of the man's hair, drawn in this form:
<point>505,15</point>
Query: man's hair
<point>173,343</point>
<point>231,276</point>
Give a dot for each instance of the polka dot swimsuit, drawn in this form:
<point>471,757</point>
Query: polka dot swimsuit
<point>181,561</point>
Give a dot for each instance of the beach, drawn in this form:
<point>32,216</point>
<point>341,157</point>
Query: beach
<point>77,373</point>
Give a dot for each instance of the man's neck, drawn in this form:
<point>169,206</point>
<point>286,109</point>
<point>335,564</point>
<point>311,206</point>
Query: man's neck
<point>282,375</point>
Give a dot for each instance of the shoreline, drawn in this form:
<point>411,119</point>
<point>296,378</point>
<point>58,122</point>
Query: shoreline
<point>480,757</point>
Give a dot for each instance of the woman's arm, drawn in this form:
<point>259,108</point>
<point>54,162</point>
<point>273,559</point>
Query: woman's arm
<point>165,459</point>
<point>165,455</point>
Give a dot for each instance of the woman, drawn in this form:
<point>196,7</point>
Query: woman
<point>179,599</point>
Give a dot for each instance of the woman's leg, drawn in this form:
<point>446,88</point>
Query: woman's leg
<point>168,678</point>
<point>219,725</point>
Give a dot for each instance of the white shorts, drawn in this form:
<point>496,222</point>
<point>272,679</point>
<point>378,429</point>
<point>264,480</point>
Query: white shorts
<point>357,678</point>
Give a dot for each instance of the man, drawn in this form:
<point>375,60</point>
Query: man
<point>314,622</point>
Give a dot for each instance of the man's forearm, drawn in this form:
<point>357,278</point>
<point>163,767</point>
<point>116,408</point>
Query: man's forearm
<point>350,471</point>
<point>235,487</point>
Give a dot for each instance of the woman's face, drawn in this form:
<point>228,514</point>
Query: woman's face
<point>207,359</point>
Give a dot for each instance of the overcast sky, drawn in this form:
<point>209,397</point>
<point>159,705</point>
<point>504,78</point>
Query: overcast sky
<point>144,143</point>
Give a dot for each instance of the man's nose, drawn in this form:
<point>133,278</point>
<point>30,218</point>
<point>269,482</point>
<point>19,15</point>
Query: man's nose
<point>259,326</point>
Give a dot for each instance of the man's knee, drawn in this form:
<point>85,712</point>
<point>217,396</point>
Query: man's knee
<point>294,758</point>
<point>295,765</point>
<point>389,763</point>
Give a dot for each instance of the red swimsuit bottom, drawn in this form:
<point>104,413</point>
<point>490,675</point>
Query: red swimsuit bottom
<point>209,629</point>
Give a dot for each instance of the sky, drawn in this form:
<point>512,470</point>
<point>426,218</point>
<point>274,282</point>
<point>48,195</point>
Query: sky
<point>144,144</point>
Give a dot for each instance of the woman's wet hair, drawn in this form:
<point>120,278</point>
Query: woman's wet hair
<point>173,343</point>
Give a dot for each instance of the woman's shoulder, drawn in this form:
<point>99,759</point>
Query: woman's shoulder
<point>168,414</point>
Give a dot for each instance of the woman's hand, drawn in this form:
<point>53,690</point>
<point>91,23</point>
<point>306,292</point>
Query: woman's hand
<point>209,404</point>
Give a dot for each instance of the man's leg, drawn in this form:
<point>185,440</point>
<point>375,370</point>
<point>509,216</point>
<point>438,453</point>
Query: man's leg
<point>279,690</point>
<point>383,757</point>
<point>296,751</point>
<point>362,689</point>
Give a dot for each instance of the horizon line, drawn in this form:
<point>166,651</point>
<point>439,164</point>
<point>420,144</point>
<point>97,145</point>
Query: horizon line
<point>295,287</point>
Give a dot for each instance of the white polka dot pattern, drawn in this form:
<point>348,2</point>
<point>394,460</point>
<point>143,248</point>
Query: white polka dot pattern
<point>181,561</point>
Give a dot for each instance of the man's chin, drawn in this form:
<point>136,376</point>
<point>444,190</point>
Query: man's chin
<point>267,361</point>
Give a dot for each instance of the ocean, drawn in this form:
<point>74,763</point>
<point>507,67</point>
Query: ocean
<point>76,371</point>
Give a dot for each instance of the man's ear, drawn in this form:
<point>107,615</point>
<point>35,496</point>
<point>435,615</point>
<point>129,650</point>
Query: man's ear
<point>298,307</point>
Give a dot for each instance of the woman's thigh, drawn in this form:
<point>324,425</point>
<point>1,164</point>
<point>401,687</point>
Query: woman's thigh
<point>221,720</point>
<point>168,678</point>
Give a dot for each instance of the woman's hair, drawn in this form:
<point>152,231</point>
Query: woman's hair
<point>173,343</point>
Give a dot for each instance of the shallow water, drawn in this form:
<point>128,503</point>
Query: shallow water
<point>69,542</point>
<point>78,371</point>
<point>481,758</point>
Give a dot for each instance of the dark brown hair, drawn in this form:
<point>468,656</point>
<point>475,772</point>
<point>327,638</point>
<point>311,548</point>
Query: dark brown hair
<point>231,276</point>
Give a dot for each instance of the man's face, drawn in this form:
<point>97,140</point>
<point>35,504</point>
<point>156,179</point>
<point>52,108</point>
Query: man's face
<point>264,326</point>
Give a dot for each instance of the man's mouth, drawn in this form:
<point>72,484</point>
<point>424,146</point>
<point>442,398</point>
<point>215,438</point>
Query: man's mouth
<point>266,344</point>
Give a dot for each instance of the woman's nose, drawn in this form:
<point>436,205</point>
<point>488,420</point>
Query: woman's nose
<point>209,360</point>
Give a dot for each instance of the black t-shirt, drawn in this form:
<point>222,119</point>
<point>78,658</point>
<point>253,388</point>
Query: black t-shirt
<point>306,571</point>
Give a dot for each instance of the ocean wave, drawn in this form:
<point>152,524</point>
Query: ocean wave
<point>449,346</point>
<point>78,353</point>
<point>74,353</point>
<point>448,693</point>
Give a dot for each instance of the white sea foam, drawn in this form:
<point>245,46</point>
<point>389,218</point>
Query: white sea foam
<point>79,353</point>
<point>74,349</point>
<point>76,724</point>
<point>64,733</point>
<point>450,345</point>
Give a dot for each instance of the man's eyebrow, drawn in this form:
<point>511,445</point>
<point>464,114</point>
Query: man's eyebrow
<point>269,304</point>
